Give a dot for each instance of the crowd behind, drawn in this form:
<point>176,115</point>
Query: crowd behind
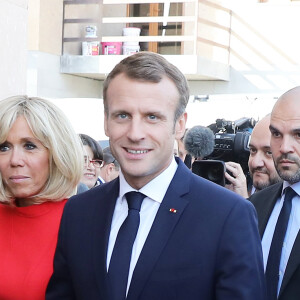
<point>56,186</point>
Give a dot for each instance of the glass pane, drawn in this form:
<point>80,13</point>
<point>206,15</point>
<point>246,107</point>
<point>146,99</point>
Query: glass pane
<point>144,10</point>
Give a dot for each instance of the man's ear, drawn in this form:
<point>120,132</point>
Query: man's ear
<point>180,126</point>
<point>105,125</point>
<point>110,168</point>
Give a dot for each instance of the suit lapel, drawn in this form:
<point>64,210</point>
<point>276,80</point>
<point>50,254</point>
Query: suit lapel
<point>102,222</point>
<point>265,207</point>
<point>293,263</point>
<point>163,225</point>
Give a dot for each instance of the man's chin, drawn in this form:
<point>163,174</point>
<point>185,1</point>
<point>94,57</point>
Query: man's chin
<point>286,173</point>
<point>260,185</point>
<point>291,177</point>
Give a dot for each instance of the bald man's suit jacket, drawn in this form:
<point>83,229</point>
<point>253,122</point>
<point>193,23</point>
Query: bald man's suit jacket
<point>208,249</point>
<point>264,202</point>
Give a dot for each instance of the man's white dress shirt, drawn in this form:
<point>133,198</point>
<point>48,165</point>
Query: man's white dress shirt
<point>291,232</point>
<point>155,191</point>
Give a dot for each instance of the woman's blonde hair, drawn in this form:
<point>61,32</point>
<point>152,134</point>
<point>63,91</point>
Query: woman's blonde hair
<point>53,129</point>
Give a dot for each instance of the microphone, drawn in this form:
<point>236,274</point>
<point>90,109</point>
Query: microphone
<point>199,141</point>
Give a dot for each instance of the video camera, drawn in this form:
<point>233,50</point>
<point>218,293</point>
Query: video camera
<point>231,144</point>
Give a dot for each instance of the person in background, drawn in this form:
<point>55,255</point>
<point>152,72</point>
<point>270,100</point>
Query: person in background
<point>278,206</point>
<point>176,150</point>
<point>158,231</point>
<point>110,169</point>
<point>40,167</point>
<point>182,153</point>
<point>261,165</point>
<point>93,161</point>
<point>82,188</point>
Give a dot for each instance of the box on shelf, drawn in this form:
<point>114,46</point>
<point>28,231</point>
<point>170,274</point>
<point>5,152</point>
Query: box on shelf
<point>111,48</point>
<point>90,48</point>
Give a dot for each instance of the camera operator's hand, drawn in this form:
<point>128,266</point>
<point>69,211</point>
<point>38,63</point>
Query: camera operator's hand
<point>237,179</point>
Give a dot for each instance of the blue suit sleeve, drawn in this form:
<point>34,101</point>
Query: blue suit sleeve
<point>60,284</point>
<point>240,273</point>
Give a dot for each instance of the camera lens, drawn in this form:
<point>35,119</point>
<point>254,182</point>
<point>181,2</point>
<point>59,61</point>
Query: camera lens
<point>215,173</point>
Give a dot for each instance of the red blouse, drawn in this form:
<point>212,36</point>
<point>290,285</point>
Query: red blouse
<point>28,237</point>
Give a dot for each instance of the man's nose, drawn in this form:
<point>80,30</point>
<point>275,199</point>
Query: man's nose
<point>257,161</point>
<point>286,144</point>
<point>136,130</point>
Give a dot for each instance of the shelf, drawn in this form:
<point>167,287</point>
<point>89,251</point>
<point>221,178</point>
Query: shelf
<point>81,39</point>
<point>73,21</point>
<point>75,2</point>
<point>98,66</point>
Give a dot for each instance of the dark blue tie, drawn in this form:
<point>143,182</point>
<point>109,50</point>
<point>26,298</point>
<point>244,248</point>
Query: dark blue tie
<point>120,260</point>
<point>272,269</point>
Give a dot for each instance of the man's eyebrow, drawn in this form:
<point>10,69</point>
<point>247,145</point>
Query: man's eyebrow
<point>272,128</point>
<point>119,112</point>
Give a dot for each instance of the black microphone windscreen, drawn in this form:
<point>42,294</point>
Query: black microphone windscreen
<point>199,141</point>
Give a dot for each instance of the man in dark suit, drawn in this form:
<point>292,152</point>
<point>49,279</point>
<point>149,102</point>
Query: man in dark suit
<point>270,203</point>
<point>194,240</point>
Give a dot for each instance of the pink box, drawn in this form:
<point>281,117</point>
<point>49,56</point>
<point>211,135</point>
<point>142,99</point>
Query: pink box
<point>111,48</point>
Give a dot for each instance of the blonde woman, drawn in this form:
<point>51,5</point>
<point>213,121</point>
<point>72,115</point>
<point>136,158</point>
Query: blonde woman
<point>41,163</point>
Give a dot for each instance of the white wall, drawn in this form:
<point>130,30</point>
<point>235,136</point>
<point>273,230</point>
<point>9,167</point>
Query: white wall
<point>13,24</point>
<point>264,46</point>
<point>45,80</point>
<point>85,114</point>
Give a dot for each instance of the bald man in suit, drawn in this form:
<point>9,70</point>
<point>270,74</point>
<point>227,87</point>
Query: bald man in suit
<point>269,203</point>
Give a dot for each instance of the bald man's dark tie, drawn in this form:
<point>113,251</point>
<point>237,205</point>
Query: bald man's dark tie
<point>272,269</point>
<point>121,255</point>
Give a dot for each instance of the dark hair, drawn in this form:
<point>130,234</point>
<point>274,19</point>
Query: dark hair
<point>149,66</point>
<point>109,158</point>
<point>93,144</point>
